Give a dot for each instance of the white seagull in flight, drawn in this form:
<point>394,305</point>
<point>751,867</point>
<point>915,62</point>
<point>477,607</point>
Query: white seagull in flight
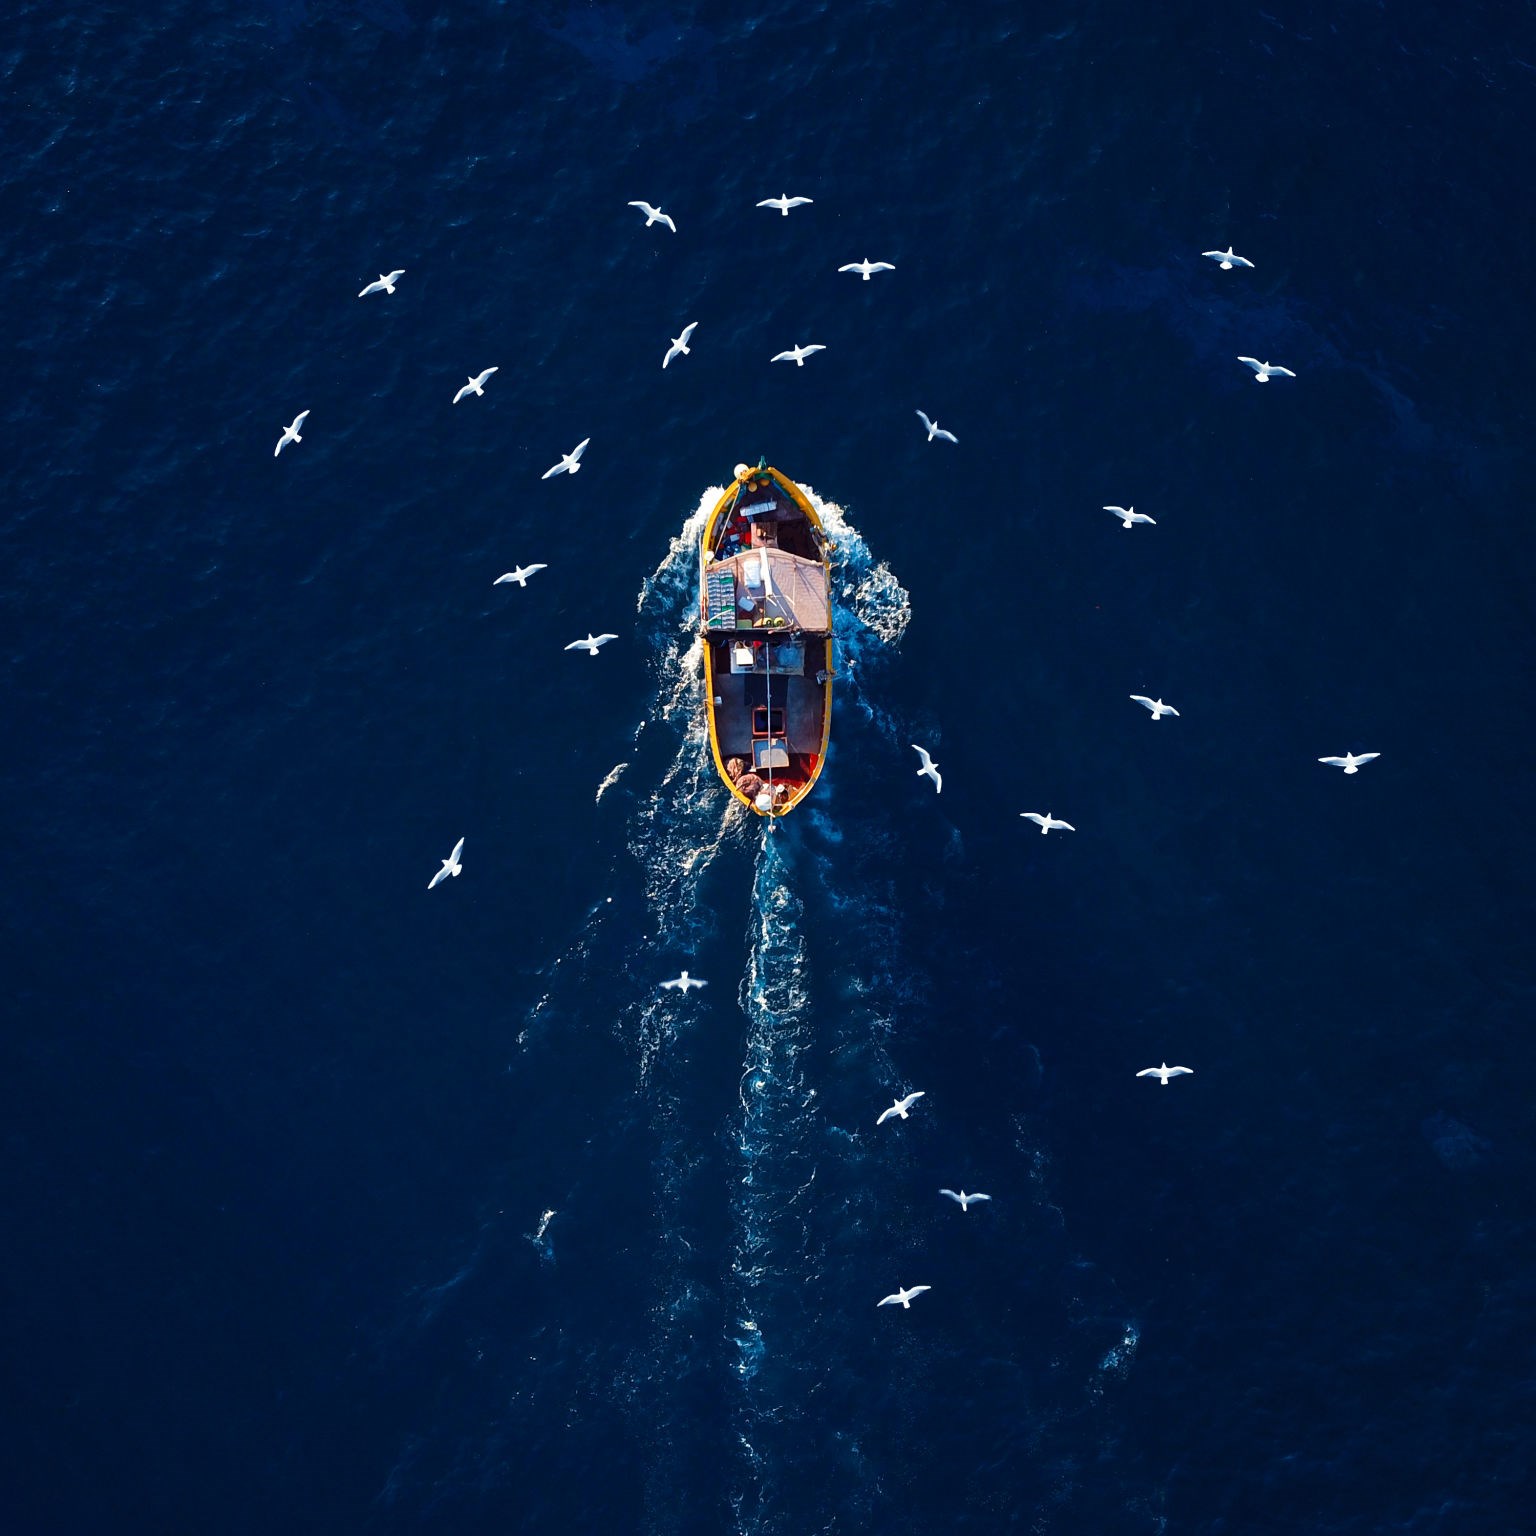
<point>683,982</point>
<point>1227,259</point>
<point>451,866</point>
<point>904,1297</point>
<point>520,575</point>
<point>590,644</point>
<point>569,463</point>
<point>1351,761</point>
<point>1262,371</point>
<point>476,385</point>
<point>929,770</point>
<point>385,284</point>
<point>900,1107</point>
<point>1129,515</point>
<point>1047,823</point>
<point>1158,708</point>
<point>797,355</point>
<point>784,204</point>
<point>935,430</point>
<point>865,267</point>
<point>654,216</point>
<point>1164,1072</point>
<point>963,1200</point>
<point>290,434</point>
<point>679,345</point>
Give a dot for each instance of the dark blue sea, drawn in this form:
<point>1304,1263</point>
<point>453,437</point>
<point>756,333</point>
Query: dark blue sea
<point>283,1130</point>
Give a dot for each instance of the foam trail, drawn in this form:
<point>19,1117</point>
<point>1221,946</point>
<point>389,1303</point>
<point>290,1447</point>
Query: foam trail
<point>773,1252</point>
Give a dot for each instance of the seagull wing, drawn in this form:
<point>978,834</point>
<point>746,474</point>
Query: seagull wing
<point>1367,757</point>
<point>912,1098</point>
<point>298,421</point>
<point>464,389</point>
<point>396,274</point>
<point>1065,826</point>
<point>458,848</point>
<point>580,645</point>
<point>1286,372</point>
<point>1119,511</point>
<point>1141,698</point>
<point>371,288</point>
<point>887,1115</point>
<point>1181,1071</point>
<point>604,639</point>
<point>782,357</point>
<point>922,417</point>
<point>974,1198</point>
<point>923,754</point>
<point>554,469</point>
<point>1215,255</point>
<point>770,202</point>
<point>815,346</point>
<point>883,266</point>
<point>1253,363</point>
<point>798,202</point>
<point>953,1196</point>
<point>528,570</point>
<point>886,1301</point>
<point>1238,261</point>
<point>667,986</point>
<point>579,449</point>
<point>950,436</point>
<point>688,331</point>
<point>1150,1072</point>
<point>852,266</point>
<point>917,1290</point>
<point>1335,762</point>
<point>1033,816</point>
<point>644,207</point>
<point>438,878</point>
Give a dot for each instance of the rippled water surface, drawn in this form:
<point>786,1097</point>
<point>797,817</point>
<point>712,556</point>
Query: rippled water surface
<point>335,1206</point>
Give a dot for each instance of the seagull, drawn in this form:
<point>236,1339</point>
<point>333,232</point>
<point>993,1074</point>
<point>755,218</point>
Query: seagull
<point>900,1107</point>
<point>476,385</point>
<point>865,267</point>
<point>569,462</point>
<point>385,284</point>
<point>683,982</point>
<point>930,769</point>
<point>904,1297</point>
<point>290,434</point>
<point>784,204</point>
<point>1351,761</point>
<point>520,575</point>
<point>1164,1072</point>
<point>655,216</point>
<point>1227,259</point>
<point>797,355</point>
<point>963,1200</point>
<point>935,430</point>
<point>1158,708</point>
<point>451,866</point>
<point>1047,823</point>
<point>1129,515</point>
<point>680,343</point>
<point>1262,371</point>
<point>590,644</point>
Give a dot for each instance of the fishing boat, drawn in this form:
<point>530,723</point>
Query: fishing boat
<point>765,612</point>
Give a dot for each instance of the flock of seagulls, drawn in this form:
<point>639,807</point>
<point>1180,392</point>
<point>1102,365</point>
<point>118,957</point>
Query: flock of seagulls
<point>570,463</point>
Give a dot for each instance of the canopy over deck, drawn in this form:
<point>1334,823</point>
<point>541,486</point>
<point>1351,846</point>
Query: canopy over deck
<point>774,584</point>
